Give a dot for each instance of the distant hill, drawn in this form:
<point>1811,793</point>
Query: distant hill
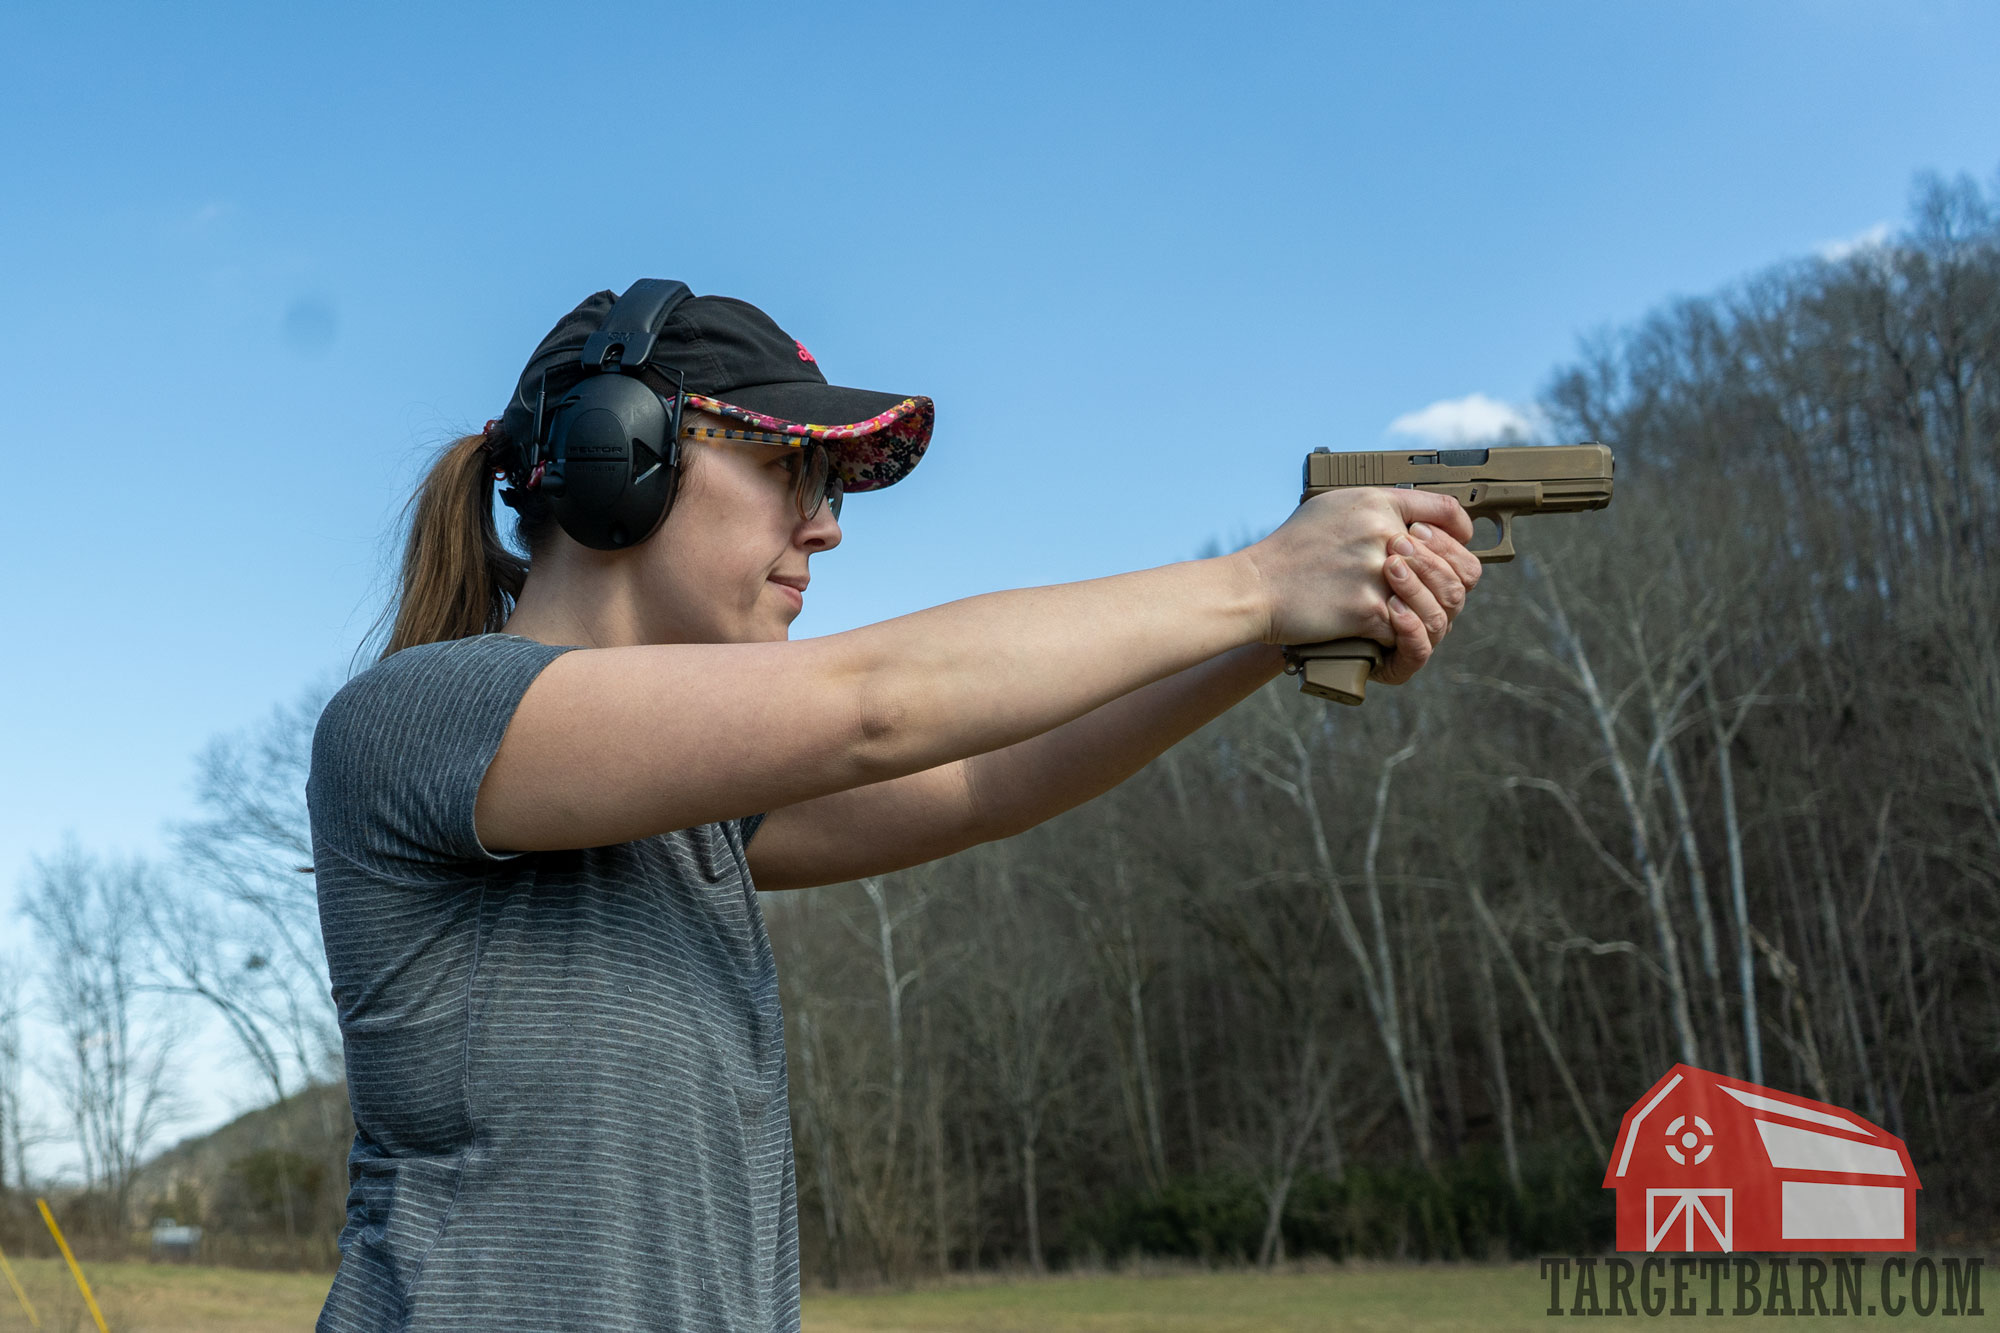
<point>242,1175</point>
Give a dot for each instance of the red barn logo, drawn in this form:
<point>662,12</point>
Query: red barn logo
<point>1709,1163</point>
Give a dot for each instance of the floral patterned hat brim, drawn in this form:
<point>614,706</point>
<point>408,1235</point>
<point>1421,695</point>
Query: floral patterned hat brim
<point>868,454</point>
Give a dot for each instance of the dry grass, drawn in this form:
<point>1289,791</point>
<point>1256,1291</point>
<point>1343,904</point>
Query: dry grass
<point>149,1298</point>
<point>165,1298</point>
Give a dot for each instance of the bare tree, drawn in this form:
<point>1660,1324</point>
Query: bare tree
<point>115,1076</point>
<point>1122,973</point>
<point>15,1132</point>
<point>1016,1001</point>
<point>244,936</point>
<point>1291,769</point>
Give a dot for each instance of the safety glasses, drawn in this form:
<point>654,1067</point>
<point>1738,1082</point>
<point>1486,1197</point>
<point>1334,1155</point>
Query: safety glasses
<point>814,480</point>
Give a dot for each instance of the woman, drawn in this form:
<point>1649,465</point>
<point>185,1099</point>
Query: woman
<point>538,849</point>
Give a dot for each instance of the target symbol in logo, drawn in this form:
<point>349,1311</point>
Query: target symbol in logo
<point>1679,1137</point>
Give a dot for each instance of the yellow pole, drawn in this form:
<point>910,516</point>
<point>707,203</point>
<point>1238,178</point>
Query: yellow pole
<point>19,1295</point>
<point>74,1267</point>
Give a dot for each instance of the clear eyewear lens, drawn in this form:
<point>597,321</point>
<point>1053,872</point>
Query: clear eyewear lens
<point>818,483</point>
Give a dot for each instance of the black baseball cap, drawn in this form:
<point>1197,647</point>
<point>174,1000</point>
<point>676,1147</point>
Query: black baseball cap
<point>736,362</point>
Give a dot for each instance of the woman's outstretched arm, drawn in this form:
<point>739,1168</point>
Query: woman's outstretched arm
<point>890,825</point>
<point>614,744</point>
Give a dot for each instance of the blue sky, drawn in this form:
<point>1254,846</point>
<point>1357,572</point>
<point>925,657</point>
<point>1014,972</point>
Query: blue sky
<point>259,261</point>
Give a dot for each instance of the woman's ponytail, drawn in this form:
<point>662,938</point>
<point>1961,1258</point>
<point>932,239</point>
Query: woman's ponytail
<point>459,578</point>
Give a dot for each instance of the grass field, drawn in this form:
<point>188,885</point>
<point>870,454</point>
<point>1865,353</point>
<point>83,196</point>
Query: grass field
<point>146,1298</point>
<point>164,1298</point>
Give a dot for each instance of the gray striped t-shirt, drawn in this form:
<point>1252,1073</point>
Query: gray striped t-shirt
<point>567,1068</point>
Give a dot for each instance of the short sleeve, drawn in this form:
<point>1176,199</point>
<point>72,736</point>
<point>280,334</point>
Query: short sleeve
<point>401,749</point>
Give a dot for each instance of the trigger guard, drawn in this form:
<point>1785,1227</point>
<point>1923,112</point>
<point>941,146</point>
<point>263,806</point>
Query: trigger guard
<point>1503,520</point>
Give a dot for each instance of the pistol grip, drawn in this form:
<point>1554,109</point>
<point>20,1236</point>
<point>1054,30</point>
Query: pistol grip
<point>1337,669</point>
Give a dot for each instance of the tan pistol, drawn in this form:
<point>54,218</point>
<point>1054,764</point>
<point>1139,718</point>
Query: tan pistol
<point>1499,483</point>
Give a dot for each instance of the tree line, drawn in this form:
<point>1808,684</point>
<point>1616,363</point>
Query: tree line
<point>1711,776</point>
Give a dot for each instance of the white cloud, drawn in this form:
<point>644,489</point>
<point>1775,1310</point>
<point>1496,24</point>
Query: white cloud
<point>1872,238</point>
<point>1468,420</point>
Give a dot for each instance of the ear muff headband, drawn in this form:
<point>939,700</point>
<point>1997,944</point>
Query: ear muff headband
<point>606,449</point>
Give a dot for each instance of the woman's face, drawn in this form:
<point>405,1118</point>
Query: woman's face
<point>729,564</point>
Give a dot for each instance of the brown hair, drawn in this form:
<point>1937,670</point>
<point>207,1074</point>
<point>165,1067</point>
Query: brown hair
<point>459,578</point>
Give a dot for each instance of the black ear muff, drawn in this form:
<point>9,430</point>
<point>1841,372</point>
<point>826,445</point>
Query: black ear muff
<point>607,452</point>
<point>612,447</point>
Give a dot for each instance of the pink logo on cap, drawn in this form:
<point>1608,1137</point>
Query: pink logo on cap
<point>804,355</point>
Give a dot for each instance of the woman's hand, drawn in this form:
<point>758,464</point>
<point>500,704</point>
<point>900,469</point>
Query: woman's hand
<point>1373,563</point>
<point>1430,571</point>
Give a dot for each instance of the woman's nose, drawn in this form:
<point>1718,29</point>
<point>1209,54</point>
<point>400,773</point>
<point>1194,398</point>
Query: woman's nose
<point>821,532</point>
